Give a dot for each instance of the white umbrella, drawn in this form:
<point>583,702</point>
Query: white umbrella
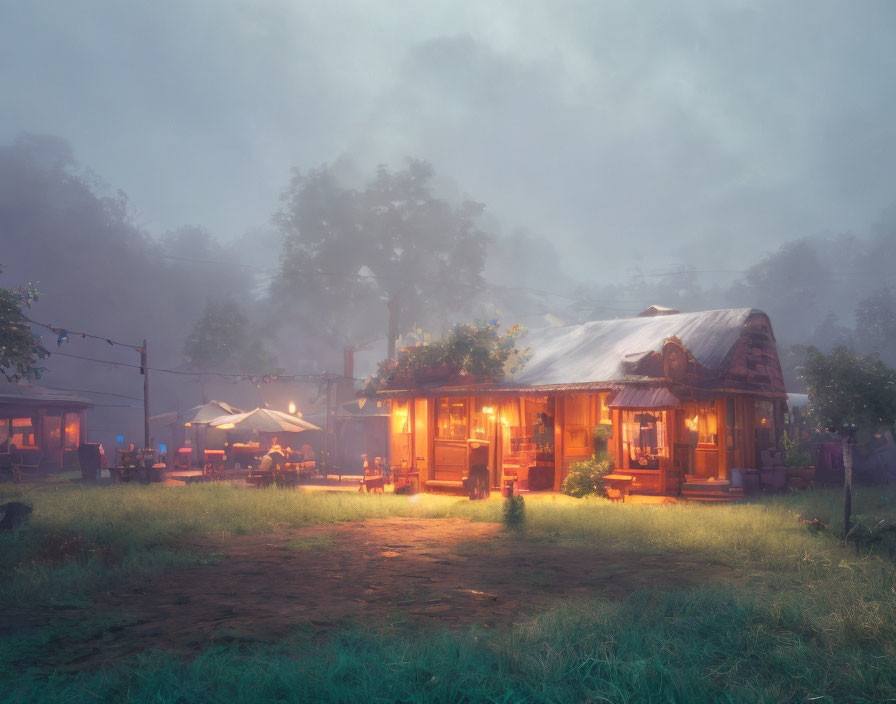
<point>207,412</point>
<point>263,420</point>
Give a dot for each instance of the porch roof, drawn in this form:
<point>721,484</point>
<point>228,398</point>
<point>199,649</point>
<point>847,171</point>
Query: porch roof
<point>29,395</point>
<point>636,397</point>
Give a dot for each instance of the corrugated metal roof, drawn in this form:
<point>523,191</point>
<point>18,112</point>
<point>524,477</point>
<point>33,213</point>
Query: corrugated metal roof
<point>594,352</point>
<point>635,397</point>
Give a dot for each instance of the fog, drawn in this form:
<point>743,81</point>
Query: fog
<point>703,156</point>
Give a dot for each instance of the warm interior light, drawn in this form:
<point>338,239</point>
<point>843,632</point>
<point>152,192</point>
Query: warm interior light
<point>226,426</point>
<point>691,423</point>
<point>488,410</point>
<point>187,425</point>
<point>292,407</point>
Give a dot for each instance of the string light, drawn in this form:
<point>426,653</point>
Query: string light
<point>63,335</point>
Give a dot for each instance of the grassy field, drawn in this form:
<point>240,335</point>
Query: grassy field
<point>808,619</point>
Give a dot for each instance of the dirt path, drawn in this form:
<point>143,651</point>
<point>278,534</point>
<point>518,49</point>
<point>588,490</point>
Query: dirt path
<point>377,572</point>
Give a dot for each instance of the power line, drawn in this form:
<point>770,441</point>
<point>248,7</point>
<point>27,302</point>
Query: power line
<point>60,331</point>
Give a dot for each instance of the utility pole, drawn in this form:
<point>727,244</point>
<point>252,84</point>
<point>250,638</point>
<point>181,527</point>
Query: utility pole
<point>144,369</point>
<point>327,427</point>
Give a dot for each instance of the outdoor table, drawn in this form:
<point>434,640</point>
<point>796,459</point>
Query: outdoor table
<point>186,475</point>
<point>621,484</point>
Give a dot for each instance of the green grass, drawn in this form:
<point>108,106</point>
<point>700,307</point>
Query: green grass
<point>808,620</point>
<point>704,645</point>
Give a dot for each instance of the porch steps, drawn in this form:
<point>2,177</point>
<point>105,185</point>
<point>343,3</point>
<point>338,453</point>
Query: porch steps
<point>711,491</point>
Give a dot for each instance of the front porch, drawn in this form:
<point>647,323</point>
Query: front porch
<point>658,445</point>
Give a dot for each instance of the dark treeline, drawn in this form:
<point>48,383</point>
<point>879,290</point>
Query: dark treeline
<point>390,255</point>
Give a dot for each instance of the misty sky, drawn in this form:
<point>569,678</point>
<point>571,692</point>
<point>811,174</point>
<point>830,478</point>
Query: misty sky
<point>653,132</point>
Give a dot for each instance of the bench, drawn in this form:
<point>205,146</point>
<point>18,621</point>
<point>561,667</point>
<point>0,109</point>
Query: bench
<point>448,486</point>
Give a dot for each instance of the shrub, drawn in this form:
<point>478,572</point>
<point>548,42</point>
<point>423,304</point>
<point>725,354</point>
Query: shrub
<point>587,478</point>
<point>794,455</point>
<point>514,512</point>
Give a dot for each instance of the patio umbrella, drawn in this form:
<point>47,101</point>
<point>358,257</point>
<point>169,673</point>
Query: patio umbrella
<point>263,420</point>
<point>207,412</point>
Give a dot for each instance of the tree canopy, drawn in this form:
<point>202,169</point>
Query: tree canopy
<point>392,253</point>
<point>20,350</point>
<point>224,340</point>
<point>876,323</point>
<point>849,392</point>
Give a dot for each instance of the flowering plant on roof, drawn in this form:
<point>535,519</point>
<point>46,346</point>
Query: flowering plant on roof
<point>470,352</point>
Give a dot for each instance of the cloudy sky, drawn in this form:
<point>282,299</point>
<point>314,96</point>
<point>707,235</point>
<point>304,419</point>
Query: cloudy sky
<point>644,133</point>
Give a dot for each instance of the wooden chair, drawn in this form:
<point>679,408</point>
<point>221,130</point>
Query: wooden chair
<point>10,467</point>
<point>29,459</point>
<point>373,479</point>
<point>263,474</point>
<point>213,468</point>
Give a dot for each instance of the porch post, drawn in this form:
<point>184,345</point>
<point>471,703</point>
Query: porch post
<point>617,434</point>
<point>559,450</point>
<point>721,415</point>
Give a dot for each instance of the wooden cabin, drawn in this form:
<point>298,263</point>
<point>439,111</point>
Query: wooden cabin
<point>44,427</point>
<point>676,400</point>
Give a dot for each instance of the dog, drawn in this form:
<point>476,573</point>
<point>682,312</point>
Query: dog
<point>477,484</point>
<point>372,484</point>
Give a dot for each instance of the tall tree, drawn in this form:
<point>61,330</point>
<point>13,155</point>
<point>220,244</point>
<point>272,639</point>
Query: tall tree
<point>393,245</point>
<point>223,340</point>
<point>848,394</point>
<point>876,324</point>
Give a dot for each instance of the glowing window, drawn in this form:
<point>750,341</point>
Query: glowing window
<point>605,418</point>
<point>707,424</point>
<point>644,438</point>
<point>72,430</point>
<point>451,419</point>
<point>22,433</point>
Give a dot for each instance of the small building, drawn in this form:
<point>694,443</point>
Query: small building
<point>360,427</point>
<point>44,426</point>
<point>676,400</point>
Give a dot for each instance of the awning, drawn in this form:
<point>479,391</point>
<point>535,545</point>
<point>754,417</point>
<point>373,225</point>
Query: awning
<point>634,397</point>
